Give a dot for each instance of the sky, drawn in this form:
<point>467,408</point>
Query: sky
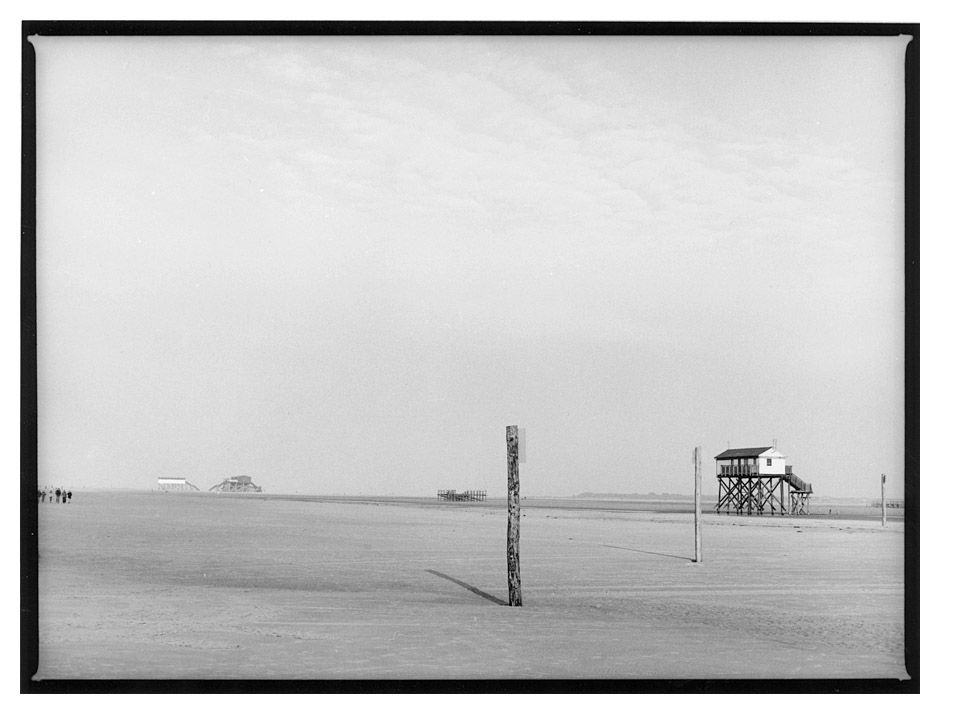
<point>344,265</point>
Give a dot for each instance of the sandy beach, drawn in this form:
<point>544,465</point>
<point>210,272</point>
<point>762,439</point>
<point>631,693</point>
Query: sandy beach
<point>153,585</point>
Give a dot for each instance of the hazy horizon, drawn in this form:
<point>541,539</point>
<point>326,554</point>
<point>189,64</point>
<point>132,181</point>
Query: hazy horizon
<point>707,501</point>
<point>342,265</point>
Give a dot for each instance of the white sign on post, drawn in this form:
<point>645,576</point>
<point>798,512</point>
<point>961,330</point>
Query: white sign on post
<point>521,448</point>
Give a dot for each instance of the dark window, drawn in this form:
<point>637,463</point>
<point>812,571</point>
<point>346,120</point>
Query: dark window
<point>768,462</point>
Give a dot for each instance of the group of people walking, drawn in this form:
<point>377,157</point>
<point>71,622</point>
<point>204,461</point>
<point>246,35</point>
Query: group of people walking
<point>53,495</point>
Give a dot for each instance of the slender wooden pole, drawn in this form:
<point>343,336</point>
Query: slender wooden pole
<point>751,494</point>
<point>883,517</point>
<point>697,504</point>
<point>513,520</point>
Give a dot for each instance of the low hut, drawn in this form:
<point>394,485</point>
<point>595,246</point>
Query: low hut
<point>171,483</point>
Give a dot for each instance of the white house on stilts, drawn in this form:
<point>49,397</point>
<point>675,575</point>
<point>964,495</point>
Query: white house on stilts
<point>748,479</point>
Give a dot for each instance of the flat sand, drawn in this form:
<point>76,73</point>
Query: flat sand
<point>196,586</point>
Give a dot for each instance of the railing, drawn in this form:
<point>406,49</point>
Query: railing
<point>795,481</point>
<point>738,470</point>
<point>798,484</point>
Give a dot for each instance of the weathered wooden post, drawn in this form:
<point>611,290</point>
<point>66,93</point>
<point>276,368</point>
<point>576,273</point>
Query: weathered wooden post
<point>513,519</point>
<point>883,518</point>
<point>697,504</point>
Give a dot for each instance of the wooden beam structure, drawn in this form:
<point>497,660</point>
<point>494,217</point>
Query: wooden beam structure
<point>800,503</point>
<point>741,491</point>
<point>453,495</point>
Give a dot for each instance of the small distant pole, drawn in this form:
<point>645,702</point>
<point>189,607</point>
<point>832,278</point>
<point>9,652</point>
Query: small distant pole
<point>883,517</point>
<point>697,504</point>
<point>513,519</point>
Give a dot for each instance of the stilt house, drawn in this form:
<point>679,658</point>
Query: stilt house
<point>748,479</point>
<point>237,484</point>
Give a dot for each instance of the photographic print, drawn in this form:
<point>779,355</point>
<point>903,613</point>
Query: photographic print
<point>421,354</point>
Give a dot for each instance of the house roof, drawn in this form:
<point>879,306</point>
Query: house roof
<point>743,453</point>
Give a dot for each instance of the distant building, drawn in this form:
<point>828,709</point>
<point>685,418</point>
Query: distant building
<point>236,484</point>
<point>170,483</point>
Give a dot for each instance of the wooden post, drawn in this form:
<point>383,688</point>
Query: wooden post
<point>513,519</point>
<point>697,504</point>
<point>883,518</point>
<point>750,495</point>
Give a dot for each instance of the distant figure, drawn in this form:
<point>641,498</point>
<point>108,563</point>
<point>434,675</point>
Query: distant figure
<point>41,495</point>
<point>64,496</point>
<point>50,495</point>
<point>57,495</point>
<point>69,497</point>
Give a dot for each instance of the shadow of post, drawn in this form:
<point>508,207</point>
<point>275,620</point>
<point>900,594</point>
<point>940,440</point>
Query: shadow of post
<point>648,552</point>
<point>475,591</point>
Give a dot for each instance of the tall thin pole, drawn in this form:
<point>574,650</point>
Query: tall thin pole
<point>883,518</point>
<point>697,504</point>
<point>513,519</point>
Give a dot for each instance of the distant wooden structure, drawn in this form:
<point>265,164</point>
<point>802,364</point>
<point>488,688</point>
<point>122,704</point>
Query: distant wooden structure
<point>169,483</point>
<point>236,484</point>
<point>452,495</point>
<point>748,480</point>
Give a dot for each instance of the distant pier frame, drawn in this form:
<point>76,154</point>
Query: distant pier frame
<point>453,495</point>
